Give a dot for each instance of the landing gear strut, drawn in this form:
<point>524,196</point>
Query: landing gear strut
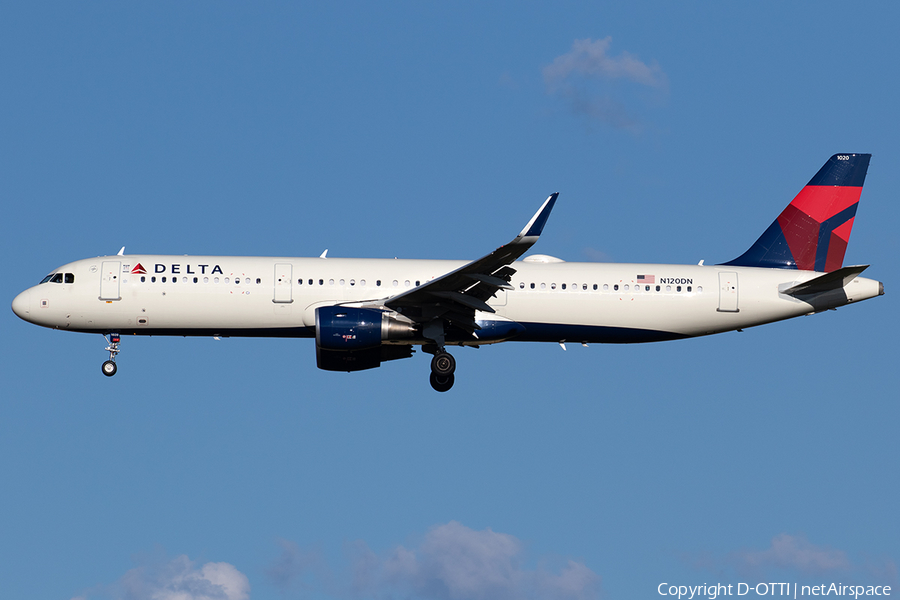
<point>109,367</point>
<point>442,367</point>
<point>443,364</point>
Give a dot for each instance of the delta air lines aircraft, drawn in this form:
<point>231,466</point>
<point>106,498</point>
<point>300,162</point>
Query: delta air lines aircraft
<point>363,312</point>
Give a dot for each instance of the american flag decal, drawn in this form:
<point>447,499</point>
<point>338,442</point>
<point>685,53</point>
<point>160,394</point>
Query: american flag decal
<point>646,278</point>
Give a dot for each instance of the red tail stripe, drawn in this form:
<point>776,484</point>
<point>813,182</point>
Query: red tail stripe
<point>822,202</point>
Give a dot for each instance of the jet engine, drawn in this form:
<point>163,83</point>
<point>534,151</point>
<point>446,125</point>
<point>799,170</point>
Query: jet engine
<point>352,339</point>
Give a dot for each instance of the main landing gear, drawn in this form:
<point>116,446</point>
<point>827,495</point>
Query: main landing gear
<point>109,367</point>
<point>442,367</point>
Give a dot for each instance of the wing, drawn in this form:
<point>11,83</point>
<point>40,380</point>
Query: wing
<point>454,297</point>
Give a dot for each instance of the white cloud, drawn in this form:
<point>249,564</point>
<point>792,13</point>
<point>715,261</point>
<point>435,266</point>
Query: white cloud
<point>794,553</point>
<point>177,579</point>
<point>295,565</point>
<point>452,562</point>
<point>596,255</point>
<point>589,58</point>
<point>583,77</point>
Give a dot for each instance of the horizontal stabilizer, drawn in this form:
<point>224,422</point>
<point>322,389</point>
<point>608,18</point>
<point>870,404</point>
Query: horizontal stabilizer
<point>830,281</point>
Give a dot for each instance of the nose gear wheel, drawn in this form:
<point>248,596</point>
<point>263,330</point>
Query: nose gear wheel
<point>109,367</point>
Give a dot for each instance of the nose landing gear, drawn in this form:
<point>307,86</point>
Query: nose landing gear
<point>442,367</point>
<point>109,367</point>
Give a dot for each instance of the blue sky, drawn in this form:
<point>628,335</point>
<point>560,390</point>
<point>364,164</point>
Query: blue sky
<point>235,469</point>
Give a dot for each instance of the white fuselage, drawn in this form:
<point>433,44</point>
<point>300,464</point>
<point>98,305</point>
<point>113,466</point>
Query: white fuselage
<point>553,301</point>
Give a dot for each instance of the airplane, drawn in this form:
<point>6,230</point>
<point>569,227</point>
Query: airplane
<point>363,312</point>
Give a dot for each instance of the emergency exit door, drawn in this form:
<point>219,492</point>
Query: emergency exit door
<point>728,291</point>
<point>283,274</point>
<point>110,273</point>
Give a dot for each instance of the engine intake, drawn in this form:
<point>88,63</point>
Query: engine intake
<point>352,339</point>
<point>348,328</point>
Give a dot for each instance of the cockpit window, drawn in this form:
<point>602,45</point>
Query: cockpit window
<point>59,278</point>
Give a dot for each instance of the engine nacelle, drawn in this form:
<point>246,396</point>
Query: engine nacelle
<point>358,360</point>
<point>347,328</point>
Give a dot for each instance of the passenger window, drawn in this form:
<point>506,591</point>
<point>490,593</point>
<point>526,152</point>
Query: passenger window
<point>595,287</point>
<point>163,279</point>
<point>143,279</point>
<point>532,286</point>
<point>668,288</point>
<point>396,283</point>
<point>196,280</point>
<point>227,280</point>
<point>206,280</point>
<point>646,288</point>
<point>300,282</point>
<point>584,286</point>
<point>625,287</point>
<point>563,286</point>
<point>341,282</point>
<point>552,286</point>
<point>216,280</point>
<point>699,289</point>
<point>153,279</point>
<point>406,283</point>
<point>321,282</point>
<point>417,283</point>
<point>543,286</point>
<point>310,281</point>
<point>678,288</point>
<point>605,287</point>
<point>259,281</point>
<point>689,288</point>
<point>657,288</point>
<point>331,282</point>
<point>521,285</point>
<point>377,283</point>
<point>362,282</point>
<point>616,287</point>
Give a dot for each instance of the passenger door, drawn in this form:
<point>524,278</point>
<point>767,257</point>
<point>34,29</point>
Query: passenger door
<point>283,275</point>
<point>728,291</point>
<point>110,273</point>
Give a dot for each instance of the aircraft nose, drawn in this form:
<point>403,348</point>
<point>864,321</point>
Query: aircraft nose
<point>21,305</point>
